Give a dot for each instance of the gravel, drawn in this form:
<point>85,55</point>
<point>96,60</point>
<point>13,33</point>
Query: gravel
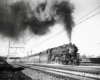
<point>39,75</point>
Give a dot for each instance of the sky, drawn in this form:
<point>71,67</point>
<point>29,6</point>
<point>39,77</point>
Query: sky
<point>86,35</point>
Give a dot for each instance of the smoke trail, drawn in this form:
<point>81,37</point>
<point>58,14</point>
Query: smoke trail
<point>12,18</point>
<point>37,17</point>
<point>64,12</point>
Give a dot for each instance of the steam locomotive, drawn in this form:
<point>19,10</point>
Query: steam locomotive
<point>65,54</point>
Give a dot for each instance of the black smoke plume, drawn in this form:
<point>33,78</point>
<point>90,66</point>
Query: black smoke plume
<point>16,18</point>
<point>64,11</point>
<point>12,19</point>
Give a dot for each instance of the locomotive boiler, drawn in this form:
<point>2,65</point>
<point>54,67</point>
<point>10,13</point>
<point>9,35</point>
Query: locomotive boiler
<point>66,54</point>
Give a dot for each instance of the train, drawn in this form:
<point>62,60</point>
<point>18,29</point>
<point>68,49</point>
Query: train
<point>66,54</point>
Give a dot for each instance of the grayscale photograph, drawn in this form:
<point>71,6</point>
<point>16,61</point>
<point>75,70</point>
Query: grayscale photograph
<point>49,39</point>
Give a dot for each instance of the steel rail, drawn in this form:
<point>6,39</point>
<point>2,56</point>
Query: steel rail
<point>71,68</point>
<point>67,73</point>
<point>80,66</point>
<point>83,74</point>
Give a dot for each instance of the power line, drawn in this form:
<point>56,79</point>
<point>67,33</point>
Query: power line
<point>64,28</point>
<point>90,45</point>
<point>44,40</point>
<point>22,50</point>
<point>7,18</point>
<point>33,35</point>
<point>24,18</point>
<point>15,51</point>
<point>88,18</point>
<point>28,40</point>
<point>7,28</point>
<point>88,13</point>
<point>50,37</point>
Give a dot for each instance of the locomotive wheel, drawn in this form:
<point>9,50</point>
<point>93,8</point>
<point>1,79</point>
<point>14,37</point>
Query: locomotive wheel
<point>69,62</point>
<point>77,63</point>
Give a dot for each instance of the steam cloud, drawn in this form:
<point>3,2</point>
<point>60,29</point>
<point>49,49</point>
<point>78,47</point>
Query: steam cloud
<point>38,17</point>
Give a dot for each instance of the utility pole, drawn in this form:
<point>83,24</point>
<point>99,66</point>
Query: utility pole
<point>27,53</point>
<point>31,52</point>
<point>9,47</point>
<point>8,52</point>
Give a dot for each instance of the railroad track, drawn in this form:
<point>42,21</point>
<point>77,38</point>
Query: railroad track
<point>85,69</point>
<point>98,67</point>
<point>71,71</point>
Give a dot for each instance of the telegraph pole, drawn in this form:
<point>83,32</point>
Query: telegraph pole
<point>31,52</point>
<point>8,51</point>
<point>9,47</point>
<point>27,53</point>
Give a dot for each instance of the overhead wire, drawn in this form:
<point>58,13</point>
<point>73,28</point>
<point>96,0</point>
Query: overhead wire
<point>9,29</point>
<point>21,24</point>
<point>7,13</point>
<point>14,51</point>
<point>96,44</point>
<point>22,50</point>
<point>33,35</point>
<point>88,18</point>
<point>62,29</point>
<point>88,13</point>
<point>11,20</point>
<point>28,40</point>
<point>7,24</point>
<point>7,18</point>
<point>13,15</point>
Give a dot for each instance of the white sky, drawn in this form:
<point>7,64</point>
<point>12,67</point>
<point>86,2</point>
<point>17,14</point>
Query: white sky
<point>85,35</point>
